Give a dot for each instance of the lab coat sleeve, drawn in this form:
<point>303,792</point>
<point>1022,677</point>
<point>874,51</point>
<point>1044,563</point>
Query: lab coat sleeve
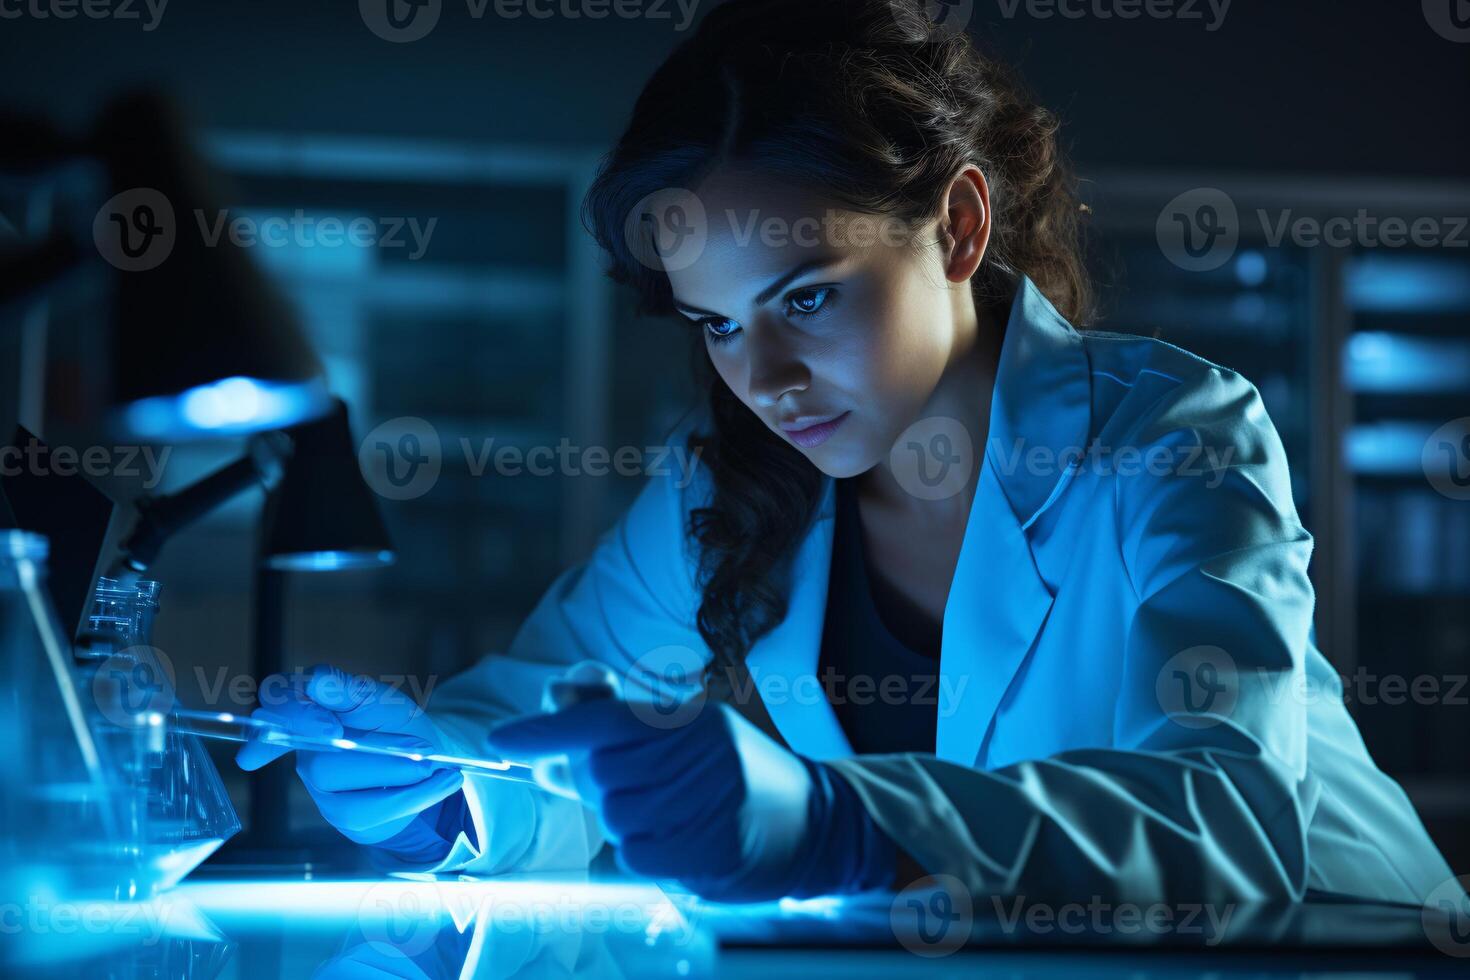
<point>1180,807</point>
<point>634,596</point>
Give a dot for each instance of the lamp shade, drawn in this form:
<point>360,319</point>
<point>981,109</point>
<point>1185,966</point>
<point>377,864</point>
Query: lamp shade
<point>323,516</point>
<point>202,343</point>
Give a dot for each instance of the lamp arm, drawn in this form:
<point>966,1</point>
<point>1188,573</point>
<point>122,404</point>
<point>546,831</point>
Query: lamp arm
<point>161,516</point>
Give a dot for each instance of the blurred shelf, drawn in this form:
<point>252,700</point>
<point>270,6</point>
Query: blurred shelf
<point>1429,408</point>
<point>349,158</point>
<point>1438,796</point>
<point>1398,599</point>
<point>421,290</point>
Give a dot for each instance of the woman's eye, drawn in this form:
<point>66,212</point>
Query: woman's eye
<point>720,329</point>
<point>808,302</point>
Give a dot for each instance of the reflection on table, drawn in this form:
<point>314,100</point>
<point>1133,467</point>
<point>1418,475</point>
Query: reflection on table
<point>568,926</point>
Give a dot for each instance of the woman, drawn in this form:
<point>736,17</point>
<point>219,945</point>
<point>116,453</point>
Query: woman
<point>970,591</point>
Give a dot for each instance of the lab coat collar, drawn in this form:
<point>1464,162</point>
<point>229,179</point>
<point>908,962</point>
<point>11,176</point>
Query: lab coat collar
<point>1042,402</point>
<point>998,599</point>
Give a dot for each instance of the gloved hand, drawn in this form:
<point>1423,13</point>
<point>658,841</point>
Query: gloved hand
<point>714,803</point>
<point>370,799</point>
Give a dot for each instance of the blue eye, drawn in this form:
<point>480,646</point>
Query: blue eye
<point>802,304</point>
<point>720,329</point>
<point>808,302</point>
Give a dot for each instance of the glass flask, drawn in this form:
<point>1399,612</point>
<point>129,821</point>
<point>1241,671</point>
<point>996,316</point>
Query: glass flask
<point>60,834</point>
<point>176,811</point>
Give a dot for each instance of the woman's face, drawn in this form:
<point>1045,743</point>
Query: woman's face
<point>834,331</point>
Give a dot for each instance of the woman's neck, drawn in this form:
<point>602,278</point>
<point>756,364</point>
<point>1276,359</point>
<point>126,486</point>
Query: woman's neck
<point>964,394</point>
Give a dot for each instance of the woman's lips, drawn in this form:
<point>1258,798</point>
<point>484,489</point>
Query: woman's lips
<point>814,435</point>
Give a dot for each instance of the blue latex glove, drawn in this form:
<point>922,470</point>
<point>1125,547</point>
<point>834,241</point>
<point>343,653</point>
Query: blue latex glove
<point>714,803</point>
<point>370,799</point>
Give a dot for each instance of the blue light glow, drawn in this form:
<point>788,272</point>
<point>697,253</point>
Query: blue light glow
<point>1397,363</point>
<point>1403,284</point>
<point>330,561</point>
<point>231,406</point>
<point>1386,448</point>
<point>1250,269</point>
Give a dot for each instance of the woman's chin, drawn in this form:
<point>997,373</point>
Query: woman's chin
<point>839,461</point>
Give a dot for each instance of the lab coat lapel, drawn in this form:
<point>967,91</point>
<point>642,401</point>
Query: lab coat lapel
<point>997,603</point>
<point>783,663</point>
<point>998,599</point>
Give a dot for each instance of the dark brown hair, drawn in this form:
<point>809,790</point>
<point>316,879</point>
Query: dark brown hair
<point>875,107</point>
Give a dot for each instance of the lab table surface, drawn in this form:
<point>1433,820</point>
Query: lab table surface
<point>253,928</point>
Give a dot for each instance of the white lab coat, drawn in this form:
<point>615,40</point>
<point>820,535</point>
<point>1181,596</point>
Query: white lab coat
<point>1091,591</point>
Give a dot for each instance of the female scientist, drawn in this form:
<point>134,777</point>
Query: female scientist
<point>961,588</point>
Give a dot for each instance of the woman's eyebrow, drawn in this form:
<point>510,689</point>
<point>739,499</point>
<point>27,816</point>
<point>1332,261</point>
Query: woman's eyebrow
<point>766,294</point>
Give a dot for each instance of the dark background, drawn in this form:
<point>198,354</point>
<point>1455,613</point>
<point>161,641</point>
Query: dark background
<point>491,126</point>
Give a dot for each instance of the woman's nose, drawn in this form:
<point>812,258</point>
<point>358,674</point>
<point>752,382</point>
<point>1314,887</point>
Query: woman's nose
<point>775,369</point>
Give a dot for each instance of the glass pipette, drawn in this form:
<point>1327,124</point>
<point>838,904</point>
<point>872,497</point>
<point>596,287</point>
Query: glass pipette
<point>241,728</point>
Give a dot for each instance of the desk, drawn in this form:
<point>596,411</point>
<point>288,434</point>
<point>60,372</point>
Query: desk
<point>568,926</point>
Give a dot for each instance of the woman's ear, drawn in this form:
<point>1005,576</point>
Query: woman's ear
<point>964,232</point>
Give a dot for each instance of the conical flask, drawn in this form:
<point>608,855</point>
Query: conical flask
<point>177,811</point>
